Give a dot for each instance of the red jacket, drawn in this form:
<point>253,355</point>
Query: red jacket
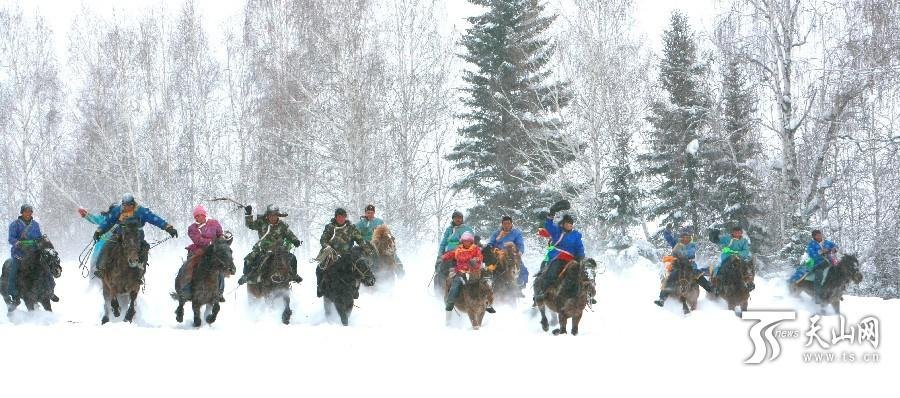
<point>462,257</point>
<point>203,235</point>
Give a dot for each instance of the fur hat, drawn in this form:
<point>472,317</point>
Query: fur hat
<point>25,207</point>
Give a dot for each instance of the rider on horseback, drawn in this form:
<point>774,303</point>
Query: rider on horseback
<point>127,210</point>
<point>506,234</point>
<point>366,226</point>
<point>565,246</point>
<point>467,256</point>
<point>203,232</point>
<point>340,235</point>
<point>819,256</point>
<point>734,245</point>
<point>450,241</point>
<point>272,232</point>
<point>683,247</point>
<point>24,234</point>
<point>96,219</point>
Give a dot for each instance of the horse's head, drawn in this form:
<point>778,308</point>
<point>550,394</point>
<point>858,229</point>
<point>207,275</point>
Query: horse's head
<point>383,241</point>
<point>49,257</point>
<point>850,263</point>
<point>744,269</point>
<point>130,239</point>
<point>220,255</point>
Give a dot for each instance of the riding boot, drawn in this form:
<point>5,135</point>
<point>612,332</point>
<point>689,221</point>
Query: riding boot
<point>54,298</point>
<point>98,272</point>
<point>319,291</point>
<point>490,309</point>
<point>663,295</point>
<point>704,283</point>
<point>295,277</point>
<point>818,274</point>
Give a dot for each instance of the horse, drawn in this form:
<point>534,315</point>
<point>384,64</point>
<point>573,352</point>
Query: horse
<point>35,273</point>
<point>568,297</point>
<point>384,262</point>
<point>682,283</point>
<point>503,265</point>
<point>732,282</point>
<point>274,273</point>
<point>474,296</point>
<point>837,280</point>
<point>215,260</point>
<point>121,268</point>
<point>341,277</point>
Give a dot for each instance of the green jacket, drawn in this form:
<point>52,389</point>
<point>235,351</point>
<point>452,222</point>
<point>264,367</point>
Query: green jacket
<point>367,228</point>
<point>341,237</point>
<point>452,235</point>
<point>269,234</point>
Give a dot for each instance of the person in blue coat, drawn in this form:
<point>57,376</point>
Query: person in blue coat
<point>449,242</point>
<point>818,253</point>
<point>685,247</point>
<point>96,219</point>
<point>24,234</point>
<point>130,209</point>
<point>508,234</point>
<point>733,245</point>
<point>565,245</point>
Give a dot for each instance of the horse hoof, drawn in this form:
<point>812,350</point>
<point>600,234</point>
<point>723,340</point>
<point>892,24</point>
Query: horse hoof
<point>210,319</point>
<point>557,332</point>
<point>545,326</point>
<point>179,316</point>
<point>286,318</point>
<point>476,327</point>
<point>196,322</point>
<point>574,332</point>
<point>129,316</point>
<point>104,320</point>
<point>116,313</point>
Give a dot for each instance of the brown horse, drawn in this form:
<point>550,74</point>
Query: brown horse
<point>340,278</point>
<point>215,260</point>
<point>274,273</point>
<point>384,262</point>
<point>682,284</point>
<point>503,266</point>
<point>837,280</point>
<point>732,283</point>
<point>474,297</point>
<point>568,297</point>
<point>122,270</point>
<point>35,271</point>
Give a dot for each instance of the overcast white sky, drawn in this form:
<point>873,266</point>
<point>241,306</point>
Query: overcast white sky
<point>652,15</point>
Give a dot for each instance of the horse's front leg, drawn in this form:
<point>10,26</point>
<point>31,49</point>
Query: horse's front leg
<point>212,315</point>
<point>129,315</point>
<point>575,321</point>
<point>106,305</point>
<point>563,319</point>
<point>286,314</point>
<point>684,306</point>
<point>179,311</point>
<point>545,324</point>
<point>195,306</point>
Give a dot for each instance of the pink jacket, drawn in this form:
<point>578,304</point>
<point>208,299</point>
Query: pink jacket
<point>203,234</point>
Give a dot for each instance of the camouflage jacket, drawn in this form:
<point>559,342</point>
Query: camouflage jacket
<point>341,237</point>
<point>270,234</point>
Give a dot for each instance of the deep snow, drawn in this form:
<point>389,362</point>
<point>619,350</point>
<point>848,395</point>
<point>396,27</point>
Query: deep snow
<point>398,344</point>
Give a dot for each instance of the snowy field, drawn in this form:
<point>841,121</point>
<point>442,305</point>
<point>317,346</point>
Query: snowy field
<point>398,344</point>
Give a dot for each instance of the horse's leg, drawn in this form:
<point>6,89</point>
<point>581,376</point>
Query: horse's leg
<point>129,315</point>
<point>836,304</point>
<point>575,321</point>
<point>46,304</point>
<point>179,311</point>
<point>327,306</point>
<point>114,303</point>
<point>343,310</point>
<point>106,304</point>
<point>286,314</point>
<point>545,324</point>
<point>684,306</point>
<point>195,305</point>
<point>211,317</point>
<point>563,319</point>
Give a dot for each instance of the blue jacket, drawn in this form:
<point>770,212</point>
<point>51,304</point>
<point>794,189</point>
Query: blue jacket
<point>741,246</point>
<point>814,250</point>
<point>689,250</point>
<point>141,213</point>
<point>19,230</point>
<point>367,227</point>
<point>514,236</point>
<point>451,237</point>
<point>561,241</point>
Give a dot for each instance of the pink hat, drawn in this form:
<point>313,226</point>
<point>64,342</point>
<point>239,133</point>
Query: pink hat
<point>198,210</point>
<point>467,236</point>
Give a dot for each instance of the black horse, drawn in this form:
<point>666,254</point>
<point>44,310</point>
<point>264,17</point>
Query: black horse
<point>34,279</point>
<point>216,260</point>
<point>341,276</point>
<point>733,281</point>
<point>122,268</point>
<point>837,279</point>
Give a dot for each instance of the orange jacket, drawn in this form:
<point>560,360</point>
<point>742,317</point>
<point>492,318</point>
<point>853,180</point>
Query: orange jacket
<point>462,257</point>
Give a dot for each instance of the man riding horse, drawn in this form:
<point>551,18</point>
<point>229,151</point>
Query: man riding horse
<point>449,241</point>
<point>341,235</point>
<point>24,234</point>
<point>367,225</point>
<point>272,232</point>
<point>683,247</point>
<point>819,253</point>
<point>129,209</point>
<point>565,246</point>
<point>508,234</point>
<point>734,245</point>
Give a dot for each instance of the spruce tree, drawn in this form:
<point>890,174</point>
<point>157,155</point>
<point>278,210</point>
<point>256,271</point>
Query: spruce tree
<point>678,121</point>
<point>619,204</point>
<point>511,142</point>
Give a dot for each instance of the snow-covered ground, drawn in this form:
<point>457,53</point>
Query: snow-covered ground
<point>398,344</point>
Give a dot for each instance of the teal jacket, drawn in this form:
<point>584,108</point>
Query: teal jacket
<point>731,246</point>
<point>452,235</point>
<point>367,228</point>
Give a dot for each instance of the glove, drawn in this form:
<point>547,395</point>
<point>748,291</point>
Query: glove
<point>297,243</point>
<point>714,236</point>
<point>97,235</point>
<point>560,206</point>
<point>543,215</point>
<point>248,210</point>
<point>171,230</point>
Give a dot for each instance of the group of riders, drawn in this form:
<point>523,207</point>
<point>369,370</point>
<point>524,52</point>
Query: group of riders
<point>460,249</point>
